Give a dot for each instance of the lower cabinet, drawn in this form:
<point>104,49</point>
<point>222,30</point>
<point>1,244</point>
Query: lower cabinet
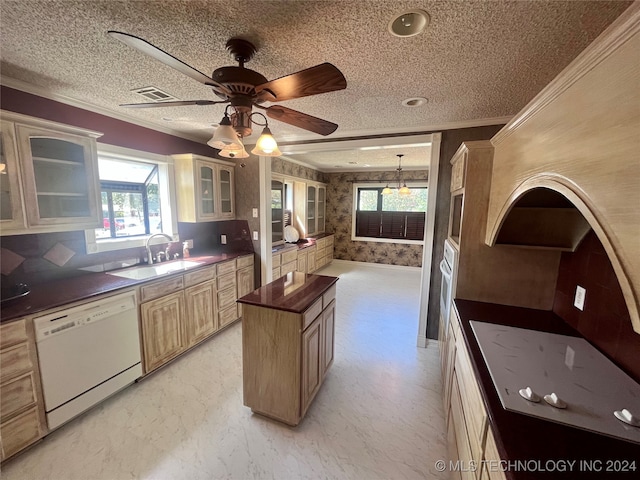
<point>162,330</point>
<point>469,434</point>
<point>312,343</point>
<point>183,310</point>
<point>22,419</point>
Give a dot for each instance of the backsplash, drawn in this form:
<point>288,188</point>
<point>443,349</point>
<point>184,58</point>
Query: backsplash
<point>46,257</point>
<point>605,320</point>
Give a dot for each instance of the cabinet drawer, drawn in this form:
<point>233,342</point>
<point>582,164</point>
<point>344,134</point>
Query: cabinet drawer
<point>457,172</point>
<point>14,360</point>
<point>311,313</point>
<point>20,431</point>
<point>244,261</point>
<point>199,276</point>
<point>227,281</point>
<point>320,251</point>
<point>328,296</point>
<point>330,241</point>
<point>289,267</point>
<point>227,315</point>
<point>275,273</point>
<point>289,256</point>
<point>16,394</point>
<point>474,412</point>
<point>12,333</point>
<point>226,267</point>
<point>227,297</point>
<point>275,260</point>
<point>321,243</point>
<point>458,425</point>
<point>159,289</point>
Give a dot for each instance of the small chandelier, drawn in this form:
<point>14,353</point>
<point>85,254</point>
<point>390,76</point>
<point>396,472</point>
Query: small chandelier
<point>228,139</point>
<point>402,185</point>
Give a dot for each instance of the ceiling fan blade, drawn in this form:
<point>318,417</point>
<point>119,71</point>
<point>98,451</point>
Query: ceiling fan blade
<point>322,78</point>
<point>160,55</point>
<point>301,120</point>
<point>177,103</point>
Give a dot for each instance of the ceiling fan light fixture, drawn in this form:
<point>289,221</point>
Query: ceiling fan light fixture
<point>231,151</point>
<point>225,135</point>
<point>409,23</point>
<point>266,145</point>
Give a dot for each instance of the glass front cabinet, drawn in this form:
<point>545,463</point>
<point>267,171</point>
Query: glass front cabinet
<point>204,188</point>
<point>49,176</point>
<point>310,208</point>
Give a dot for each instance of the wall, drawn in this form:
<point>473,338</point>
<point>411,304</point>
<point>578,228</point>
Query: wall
<point>284,167</point>
<point>605,320</point>
<point>247,177</point>
<point>339,221</point>
<point>451,140</point>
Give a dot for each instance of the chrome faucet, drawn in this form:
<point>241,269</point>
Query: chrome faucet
<point>146,245</point>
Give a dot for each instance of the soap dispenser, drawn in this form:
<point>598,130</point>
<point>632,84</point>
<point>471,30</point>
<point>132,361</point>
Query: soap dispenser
<point>185,250</point>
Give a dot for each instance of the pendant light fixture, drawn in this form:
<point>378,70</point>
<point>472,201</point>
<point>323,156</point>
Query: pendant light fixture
<point>402,185</point>
<point>266,145</point>
<point>228,139</point>
<point>225,135</point>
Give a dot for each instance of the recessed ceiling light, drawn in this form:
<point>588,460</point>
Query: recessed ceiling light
<point>415,102</point>
<point>352,163</point>
<point>167,119</point>
<point>409,23</point>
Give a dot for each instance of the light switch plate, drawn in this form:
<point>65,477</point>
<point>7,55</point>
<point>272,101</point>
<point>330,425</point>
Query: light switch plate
<point>578,301</point>
<point>255,235</point>
<point>255,213</point>
<point>223,239</point>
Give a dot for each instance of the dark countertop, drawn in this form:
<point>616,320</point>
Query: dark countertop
<point>87,285</point>
<point>294,292</point>
<point>300,244</point>
<point>520,437</point>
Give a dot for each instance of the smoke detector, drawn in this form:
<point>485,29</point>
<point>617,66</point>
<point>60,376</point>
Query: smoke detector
<point>409,23</point>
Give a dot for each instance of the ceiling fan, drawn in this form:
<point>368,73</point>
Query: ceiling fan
<point>244,89</point>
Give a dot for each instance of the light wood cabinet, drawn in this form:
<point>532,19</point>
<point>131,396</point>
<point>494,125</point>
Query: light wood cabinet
<point>311,259</point>
<point>283,262</point>
<point>310,208</point>
<point>22,419</point>
<point>202,315</point>
<point>51,182</point>
<point>301,265</point>
<point>162,330</point>
<point>286,355</point>
<point>205,188</point>
<point>183,310</point>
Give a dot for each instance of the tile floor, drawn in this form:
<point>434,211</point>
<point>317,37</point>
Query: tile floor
<point>378,415</point>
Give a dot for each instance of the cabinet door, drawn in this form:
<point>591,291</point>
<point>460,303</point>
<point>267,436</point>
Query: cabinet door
<point>302,262</point>
<point>162,330</point>
<point>245,281</point>
<point>11,213</point>
<point>321,209</point>
<point>206,175</point>
<point>328,336</point>
<point>311,260</point>
<point>59,178</point>
<point>277,210</point>
<point>19,432</point>
<point>311,362</point>
<point>227,194</point>
<point>311,210</point>
<point>201,318</point>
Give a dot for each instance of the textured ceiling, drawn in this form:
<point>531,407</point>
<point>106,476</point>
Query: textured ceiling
<point>477,60</point>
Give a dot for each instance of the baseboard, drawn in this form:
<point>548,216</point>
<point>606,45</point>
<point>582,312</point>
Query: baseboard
<point>376,265</point>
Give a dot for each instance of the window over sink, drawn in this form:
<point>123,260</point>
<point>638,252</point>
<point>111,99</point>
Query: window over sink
<point>138,199</point>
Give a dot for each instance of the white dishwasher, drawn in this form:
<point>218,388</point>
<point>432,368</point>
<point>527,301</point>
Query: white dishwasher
<point>87,353</point>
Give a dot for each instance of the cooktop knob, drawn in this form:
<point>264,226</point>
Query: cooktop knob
<point>626,416</point>
<point>529,394</point>
<point>555,401</point>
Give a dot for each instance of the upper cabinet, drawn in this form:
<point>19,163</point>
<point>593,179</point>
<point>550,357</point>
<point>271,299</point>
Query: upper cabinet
<point>205,188</point>
<point>310,207</point>
<point>49,176</point>
<point>579,138</point>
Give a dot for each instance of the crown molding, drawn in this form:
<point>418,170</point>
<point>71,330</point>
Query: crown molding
<point>42,92</point>
<point>617,34</point>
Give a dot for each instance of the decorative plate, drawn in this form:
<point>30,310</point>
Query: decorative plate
<point>291,235</point>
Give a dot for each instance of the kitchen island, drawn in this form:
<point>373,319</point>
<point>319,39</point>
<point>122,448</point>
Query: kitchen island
<point>287,344</point>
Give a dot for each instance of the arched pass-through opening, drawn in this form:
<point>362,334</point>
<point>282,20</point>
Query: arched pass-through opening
<point>550,212</point>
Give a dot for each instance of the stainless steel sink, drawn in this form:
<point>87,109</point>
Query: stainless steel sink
<point>143,272</point>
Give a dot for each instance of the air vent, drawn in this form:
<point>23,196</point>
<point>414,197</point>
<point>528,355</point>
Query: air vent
<point>154,94</point>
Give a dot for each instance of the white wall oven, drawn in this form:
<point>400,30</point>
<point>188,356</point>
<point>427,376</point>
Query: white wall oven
<point>448,268</point>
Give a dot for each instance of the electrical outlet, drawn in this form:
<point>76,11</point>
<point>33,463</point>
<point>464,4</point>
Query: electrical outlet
<point>223,239</point>
<point>255,235</point>
<point>255,213</point>
<point>190,243</point>
<point>578,301</point>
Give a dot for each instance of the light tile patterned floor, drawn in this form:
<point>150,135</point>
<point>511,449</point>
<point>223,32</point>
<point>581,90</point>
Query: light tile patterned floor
<point>378,415</point>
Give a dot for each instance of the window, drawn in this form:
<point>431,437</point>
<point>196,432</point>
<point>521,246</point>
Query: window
<point>386,218</point>
<point>136,193</point>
